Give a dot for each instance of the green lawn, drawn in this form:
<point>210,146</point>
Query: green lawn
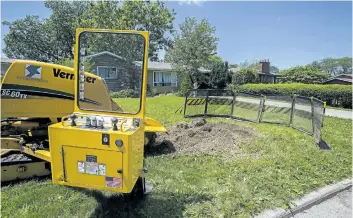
<point>286,166</point>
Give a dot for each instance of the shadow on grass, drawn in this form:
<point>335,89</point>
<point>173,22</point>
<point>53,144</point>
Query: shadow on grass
<point>160,148</point>
<point>158,204</point>
<point>18,181</point>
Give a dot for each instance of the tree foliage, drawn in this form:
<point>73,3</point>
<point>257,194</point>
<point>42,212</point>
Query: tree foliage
<point>247,74</point>
<point>185,86</point>
<point>233,65</point>
<point>334,66</point>
<point>193,47</point>
<point>219,76</point>
<point>67,62</point>
<point>213,59</point>
<point>274,70</point>
<point>303,74</point>
<point>52,39</point>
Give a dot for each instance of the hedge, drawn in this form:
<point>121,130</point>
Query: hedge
<point>128,93</point>
<point>334,95</point>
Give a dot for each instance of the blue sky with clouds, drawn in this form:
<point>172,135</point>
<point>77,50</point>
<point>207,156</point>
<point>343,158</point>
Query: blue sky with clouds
<point>287,33</point>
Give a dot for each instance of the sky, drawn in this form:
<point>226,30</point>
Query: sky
<point>286,33</point>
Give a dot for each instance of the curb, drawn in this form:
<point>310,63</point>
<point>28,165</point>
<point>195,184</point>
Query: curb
<point>309,200</point>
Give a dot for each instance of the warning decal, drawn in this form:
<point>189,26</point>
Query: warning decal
<point>113,182</point>
<point>92,168</point>
<point>91,165</point>
<point>91,158</point>
<point>101,168</point>
<point>81,166</point>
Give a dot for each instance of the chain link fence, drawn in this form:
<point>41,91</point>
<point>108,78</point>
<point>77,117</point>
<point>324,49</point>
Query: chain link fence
<point>300,112</point>
<point>277,109</point>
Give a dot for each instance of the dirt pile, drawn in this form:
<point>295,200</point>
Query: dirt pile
<point>200,137</point>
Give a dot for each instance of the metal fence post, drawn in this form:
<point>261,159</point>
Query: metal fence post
<point>206,103</point>
<point>259,118</point>
<point>232,111</point>
<point>186,99</point>
<point>312,114</point>
<point>292,110</point>
<point>323,113</point>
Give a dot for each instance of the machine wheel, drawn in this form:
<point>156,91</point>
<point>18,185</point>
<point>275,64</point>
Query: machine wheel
<point>150,138</point>
<point>137,192</point>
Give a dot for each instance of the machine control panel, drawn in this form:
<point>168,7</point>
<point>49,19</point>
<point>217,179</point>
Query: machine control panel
<point>102,123</point>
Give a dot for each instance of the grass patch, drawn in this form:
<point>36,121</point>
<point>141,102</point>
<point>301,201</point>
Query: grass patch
<point>286,166</point>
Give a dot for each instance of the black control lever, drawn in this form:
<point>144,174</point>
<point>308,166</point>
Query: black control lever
<point>115,122</point>
<point>73,117</point>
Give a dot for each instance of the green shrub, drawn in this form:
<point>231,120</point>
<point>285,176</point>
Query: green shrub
<point>245,75</point>
<point>334,95</point>
<point>303,74</point>
<point>185,86</point>
<point>128,93</point>
<point>154,91</point>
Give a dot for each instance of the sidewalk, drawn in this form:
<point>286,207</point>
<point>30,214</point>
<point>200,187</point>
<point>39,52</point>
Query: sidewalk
<point>340,206</point>
<point>334,200</point>
<point>338,113</point>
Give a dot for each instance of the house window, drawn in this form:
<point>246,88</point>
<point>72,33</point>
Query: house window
<point>165,79</point>
<point>107,72</point>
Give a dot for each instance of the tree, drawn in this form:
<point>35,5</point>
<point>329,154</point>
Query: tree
<point>274,70</point>
<point>303,74</point>
<point>233,65</point>
<point>246,74</point>
<point>185,86</point>
<point>192,49</point>
<point>334,66</point>
<point>214,59</point>
<point>219,75</point>
<point>153,17</point>
<point>70,63</point>
<point>52,39</point>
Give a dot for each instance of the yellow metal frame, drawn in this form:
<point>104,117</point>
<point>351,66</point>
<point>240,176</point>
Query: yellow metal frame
<point>141,113</point>
<point>72,146</point>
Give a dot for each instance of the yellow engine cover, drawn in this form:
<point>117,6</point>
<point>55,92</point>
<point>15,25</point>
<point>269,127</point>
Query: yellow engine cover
<point>50,92</point>
<point>90,158</point>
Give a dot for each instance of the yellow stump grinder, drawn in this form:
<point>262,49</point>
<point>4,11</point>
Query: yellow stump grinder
<point>61,121</point>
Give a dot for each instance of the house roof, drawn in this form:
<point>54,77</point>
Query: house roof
<point>268,74</point>
<point>339,79</point>
<point>103,53</point>
<point>349,76</point>
<point>152,65</point>
<point>159,66</point>
<point>342,77</point>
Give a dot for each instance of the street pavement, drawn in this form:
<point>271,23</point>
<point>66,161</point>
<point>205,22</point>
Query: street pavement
<point>339,206</point>
<point>346,114</point>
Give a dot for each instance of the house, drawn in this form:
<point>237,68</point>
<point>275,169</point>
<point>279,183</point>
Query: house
<point>263,71</point>
<point>343,79</point>
<point>160,76</point>
<point>115,70</point>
